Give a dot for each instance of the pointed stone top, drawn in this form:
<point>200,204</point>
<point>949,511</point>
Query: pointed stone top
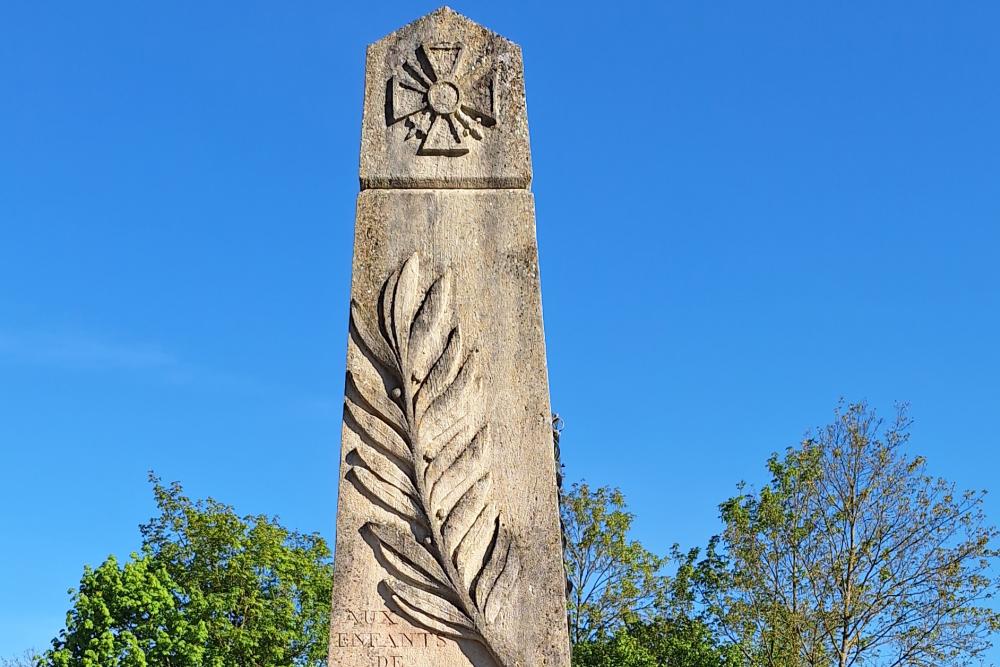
<point>444,108</point>
<point>442,14</point>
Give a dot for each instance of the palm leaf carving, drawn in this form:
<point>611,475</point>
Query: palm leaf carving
<point>415,400</point>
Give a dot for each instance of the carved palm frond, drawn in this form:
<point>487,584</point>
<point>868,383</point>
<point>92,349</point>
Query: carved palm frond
<point>415,399</point>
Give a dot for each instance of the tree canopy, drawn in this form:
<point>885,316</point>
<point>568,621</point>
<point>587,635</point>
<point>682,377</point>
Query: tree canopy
<point>624,611</point>
<point>853,555</point>
<point>613,580</point>
<point>208,588</point>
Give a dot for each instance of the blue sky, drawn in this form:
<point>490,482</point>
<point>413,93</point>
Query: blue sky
<point>745,211</point>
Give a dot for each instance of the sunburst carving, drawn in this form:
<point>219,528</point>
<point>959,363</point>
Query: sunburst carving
<point>444,105</point>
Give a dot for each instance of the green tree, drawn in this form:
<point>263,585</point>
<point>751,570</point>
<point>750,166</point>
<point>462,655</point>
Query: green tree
<point>613,580</point>
<point>129,616</point>
<point>679,642</point>
<point>623,611</point>
<point>620,650</point>
<point>210,588</point>
<point>853,555</point>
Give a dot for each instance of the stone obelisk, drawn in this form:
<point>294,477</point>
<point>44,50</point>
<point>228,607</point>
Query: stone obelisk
<point>448,549</point>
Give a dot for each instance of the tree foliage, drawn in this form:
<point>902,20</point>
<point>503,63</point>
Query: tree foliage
<point>209,588</point>
<point>680,642</point>
<point>853,555</point>
<point>623,611</point>
<point>129,616</point>
<point>613,580</point>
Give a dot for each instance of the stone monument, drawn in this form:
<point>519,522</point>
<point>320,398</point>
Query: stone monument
<point>448,548</point>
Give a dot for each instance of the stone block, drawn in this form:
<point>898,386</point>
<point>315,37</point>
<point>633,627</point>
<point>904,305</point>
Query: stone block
<point>444,108</point>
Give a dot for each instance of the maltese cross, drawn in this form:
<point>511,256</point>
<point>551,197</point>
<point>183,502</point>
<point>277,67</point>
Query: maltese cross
<point>442,105</point>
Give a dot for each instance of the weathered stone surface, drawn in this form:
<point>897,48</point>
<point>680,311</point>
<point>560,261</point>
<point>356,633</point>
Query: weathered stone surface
<point>479,249</point>
<point>444,108</point>
<point>448,550</point>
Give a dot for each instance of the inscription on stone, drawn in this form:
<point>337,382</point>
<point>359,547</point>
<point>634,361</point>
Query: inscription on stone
<point>382,630</point>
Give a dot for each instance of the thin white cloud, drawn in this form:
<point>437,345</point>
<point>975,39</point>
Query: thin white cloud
<point>83,352</point>
<point>75,352</point>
